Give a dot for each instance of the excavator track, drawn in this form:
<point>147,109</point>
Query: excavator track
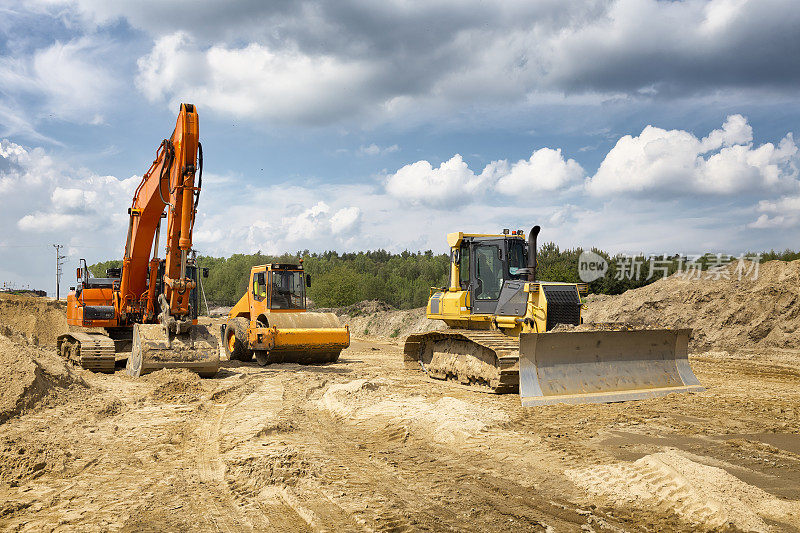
<point>92,351</point>
<point>486,360</point>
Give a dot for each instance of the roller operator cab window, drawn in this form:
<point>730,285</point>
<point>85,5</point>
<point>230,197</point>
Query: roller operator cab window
<point>489,271</point>
<point>260,286</point>
<point>288,290</point>
<point>516,258</point>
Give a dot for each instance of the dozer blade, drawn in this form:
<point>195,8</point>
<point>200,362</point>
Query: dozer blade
<point>604,366</point>
<point>305,338</point>
<point>153,350</point>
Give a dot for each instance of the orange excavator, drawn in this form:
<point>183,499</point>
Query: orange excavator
<point>149,305</point>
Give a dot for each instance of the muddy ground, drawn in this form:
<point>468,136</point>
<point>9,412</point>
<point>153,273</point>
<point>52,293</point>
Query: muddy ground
<point>364,445</point>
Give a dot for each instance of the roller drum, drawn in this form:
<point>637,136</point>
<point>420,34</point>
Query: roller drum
<point>305,338</point>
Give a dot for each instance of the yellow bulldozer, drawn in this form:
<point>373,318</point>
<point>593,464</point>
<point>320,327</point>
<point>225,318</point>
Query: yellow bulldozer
<point>500,334</point>
<point>271,321</point>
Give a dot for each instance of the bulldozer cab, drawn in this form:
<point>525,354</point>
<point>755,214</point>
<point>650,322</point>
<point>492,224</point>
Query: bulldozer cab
<point>486,267</point>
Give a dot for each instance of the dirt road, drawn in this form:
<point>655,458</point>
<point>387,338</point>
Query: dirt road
<point>363,445</point>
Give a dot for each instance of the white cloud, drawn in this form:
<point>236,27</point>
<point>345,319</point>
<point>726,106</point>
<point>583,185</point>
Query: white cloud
<point>374,149</point>
<point>778,214</point>
<point>307,223</point>
<point>454,183</point>
<point>677,162</point>
<point>44,200</point>
<point>450,183</point>
<point>42,195</point>
<point>388,62</point>
<point>545,170</point>
<point>253,81</point>
<point>345,220</point>
<point>65,80</point>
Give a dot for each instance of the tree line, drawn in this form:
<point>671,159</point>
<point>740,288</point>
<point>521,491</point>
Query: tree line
<point>403,280</point>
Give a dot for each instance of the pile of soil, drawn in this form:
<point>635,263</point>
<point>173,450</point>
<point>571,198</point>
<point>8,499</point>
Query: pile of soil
<point>373,318</point>
<point>176,385</point>
<point>727,313</point>
<point>27,375</point>
<point>39,320</point>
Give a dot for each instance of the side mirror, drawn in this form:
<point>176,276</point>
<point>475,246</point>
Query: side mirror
<point>308,280</point>
<point>78,275</point>
<point>205,272</point>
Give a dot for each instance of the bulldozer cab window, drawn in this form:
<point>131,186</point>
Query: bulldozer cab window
<point>489,271</point>
<point>260,286</point>
<point>463,266</point>
<point>288,290</point>
<point>516,258</point>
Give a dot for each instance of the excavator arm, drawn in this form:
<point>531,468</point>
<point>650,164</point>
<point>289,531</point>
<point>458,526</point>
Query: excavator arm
<point>169,189</point>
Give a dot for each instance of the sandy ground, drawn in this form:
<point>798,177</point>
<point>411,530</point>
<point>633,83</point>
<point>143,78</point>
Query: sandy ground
<point>364,445</point>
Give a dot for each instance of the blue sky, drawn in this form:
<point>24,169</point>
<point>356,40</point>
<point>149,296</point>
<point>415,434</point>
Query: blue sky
<point>632,125</point>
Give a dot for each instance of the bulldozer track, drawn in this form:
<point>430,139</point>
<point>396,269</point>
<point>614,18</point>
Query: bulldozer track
<point>502,378</point>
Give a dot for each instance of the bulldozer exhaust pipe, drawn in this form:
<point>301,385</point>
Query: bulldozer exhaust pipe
<point>532,250</point>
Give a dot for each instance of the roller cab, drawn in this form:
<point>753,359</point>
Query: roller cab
<point>271,321</point>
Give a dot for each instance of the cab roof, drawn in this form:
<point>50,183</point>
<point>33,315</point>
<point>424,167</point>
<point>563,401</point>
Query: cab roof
<point>278,266</point>
<point>454,239</point>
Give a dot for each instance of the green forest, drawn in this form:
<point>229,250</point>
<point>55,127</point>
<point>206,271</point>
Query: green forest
<point>403,280</point>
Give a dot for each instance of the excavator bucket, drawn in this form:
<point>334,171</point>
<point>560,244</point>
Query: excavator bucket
<point>305,338</point>
<point>604,366</point>
<point>153,350</point>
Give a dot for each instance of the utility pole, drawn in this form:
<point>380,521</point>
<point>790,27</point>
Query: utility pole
<point>59,263</point>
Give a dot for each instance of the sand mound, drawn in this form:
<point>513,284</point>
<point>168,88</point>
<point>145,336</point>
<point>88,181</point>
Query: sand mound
<point>39,320</point>
<point>724,314</point>
<point>446,420</point>
<point>176,385</point>
<point>27,375</point>
<point>373,318</point>
<point>701,494</point>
